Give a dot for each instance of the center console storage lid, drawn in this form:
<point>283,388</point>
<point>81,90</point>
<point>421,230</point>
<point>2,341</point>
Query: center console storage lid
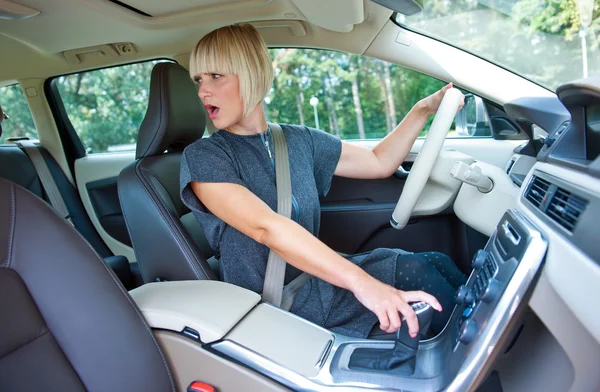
<point>209,307</point>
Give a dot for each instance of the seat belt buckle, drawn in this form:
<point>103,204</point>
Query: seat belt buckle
<point>197,386</point>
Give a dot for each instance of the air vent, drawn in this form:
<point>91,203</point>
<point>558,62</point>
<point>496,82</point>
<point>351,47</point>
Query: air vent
<point>565,208</point>
<point>562,206</point>
<point>537,191</point>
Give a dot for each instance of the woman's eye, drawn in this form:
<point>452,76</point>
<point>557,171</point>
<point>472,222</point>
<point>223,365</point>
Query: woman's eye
<point>216,76</point>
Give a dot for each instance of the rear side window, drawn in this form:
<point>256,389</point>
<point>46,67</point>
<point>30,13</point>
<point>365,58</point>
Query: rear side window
<point>19,122</point>
<point>107,106</point>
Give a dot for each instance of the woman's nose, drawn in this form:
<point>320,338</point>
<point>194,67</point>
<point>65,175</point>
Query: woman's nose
<point>204,91</point>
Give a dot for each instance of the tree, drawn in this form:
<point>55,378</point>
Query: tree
<point>20,122</point>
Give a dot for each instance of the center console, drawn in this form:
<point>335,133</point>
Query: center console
<point>302,356</point>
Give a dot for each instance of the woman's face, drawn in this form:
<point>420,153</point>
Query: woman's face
<point>220,95</point>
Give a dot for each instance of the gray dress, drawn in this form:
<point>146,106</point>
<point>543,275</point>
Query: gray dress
<point>229,158</point>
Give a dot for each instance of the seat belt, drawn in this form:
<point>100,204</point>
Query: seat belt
<point>43,172</point>
<point>273,290</point>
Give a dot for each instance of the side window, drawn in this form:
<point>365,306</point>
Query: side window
<point>347,95</point>
<point>107,106</point>
<point>18,121</point>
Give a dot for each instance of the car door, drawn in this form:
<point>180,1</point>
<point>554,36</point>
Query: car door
<point>361,100</point>
<point>100,113</point>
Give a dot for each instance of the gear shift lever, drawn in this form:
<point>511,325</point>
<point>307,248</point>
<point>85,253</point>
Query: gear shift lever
<point>405,347</point>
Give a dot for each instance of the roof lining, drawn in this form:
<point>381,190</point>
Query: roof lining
<point>130,8</point>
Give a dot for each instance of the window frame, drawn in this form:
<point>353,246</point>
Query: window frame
<point>491,136</point>
<point>72,144</point>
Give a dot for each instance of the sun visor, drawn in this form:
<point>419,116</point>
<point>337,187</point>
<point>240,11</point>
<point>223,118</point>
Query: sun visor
<point>335,15</point>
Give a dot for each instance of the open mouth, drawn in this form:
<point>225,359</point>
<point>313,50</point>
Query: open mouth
<point>212,111</point>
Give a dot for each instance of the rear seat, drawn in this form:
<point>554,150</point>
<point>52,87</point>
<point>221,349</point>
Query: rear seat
<point>16,166</point>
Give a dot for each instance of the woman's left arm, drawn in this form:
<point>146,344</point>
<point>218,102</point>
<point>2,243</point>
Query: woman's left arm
<point>382,161</point>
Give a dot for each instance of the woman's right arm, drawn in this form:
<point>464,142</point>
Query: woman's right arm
<point>241,209</point>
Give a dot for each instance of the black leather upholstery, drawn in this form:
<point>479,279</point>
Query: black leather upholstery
<point>66,322</point>
<point>174,117</point>
<point>16,166</point>
<point>157,220</point>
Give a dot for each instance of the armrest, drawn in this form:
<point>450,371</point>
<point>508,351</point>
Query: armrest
<point>211,308</point>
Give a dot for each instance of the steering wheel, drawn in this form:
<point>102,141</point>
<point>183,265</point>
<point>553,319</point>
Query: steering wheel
<point>423,165</point>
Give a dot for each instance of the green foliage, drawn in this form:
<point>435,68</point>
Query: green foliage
<point>328,76</point>
<point>543,40</point>
<point>107,106</point>
<point>20,122</point>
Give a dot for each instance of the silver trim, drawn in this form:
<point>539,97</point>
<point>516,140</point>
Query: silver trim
<point>509,233</point>
<point>323,355</point>
<point>478,357</point>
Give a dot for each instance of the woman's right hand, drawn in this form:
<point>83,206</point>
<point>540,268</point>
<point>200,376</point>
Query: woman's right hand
<point>388,303</point>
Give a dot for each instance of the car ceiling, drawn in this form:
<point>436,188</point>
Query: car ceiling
<point>60,39</point>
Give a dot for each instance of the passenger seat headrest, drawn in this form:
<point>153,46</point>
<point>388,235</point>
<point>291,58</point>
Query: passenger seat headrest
<point>175,117</point>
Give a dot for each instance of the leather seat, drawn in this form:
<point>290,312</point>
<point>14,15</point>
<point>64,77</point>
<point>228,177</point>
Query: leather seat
<point>167,240</point>
<point>16,166</point>
<point>67,323</point>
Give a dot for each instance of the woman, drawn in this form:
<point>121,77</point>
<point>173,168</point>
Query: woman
<point>228,181</point>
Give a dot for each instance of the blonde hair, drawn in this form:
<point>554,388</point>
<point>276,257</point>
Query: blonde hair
<point>239,50</point>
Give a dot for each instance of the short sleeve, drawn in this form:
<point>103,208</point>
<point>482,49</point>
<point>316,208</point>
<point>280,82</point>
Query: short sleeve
<point>205,161</point>
<point>327,150</point>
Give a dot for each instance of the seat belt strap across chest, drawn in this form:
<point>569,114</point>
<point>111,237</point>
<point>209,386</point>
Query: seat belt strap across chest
<point>273,290</point>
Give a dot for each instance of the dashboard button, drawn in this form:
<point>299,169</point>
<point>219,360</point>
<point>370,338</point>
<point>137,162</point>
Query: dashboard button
<point>492,292</point>
<point>479,259</point>
<point>468,332</point>
<point>464,296</point>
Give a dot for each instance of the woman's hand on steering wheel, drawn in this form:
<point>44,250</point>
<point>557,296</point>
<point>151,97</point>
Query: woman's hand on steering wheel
<point>432,102</point>
<point>388,303</point>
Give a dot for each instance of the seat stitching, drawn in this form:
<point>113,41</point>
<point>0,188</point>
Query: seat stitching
<point>156,139</point>
<point>181,242</point>
<point>11,231</point>
<point>180,237</point>
<point>134,305</point>
<point>128,297</point>
<point>27,343</point>
<point>135,169</point>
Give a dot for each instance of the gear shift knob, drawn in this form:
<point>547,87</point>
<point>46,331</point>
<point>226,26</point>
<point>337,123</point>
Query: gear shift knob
<point>402,356</point>
<point>424,313</point>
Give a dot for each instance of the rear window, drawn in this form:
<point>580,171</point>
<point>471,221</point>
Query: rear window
<point>107,106</point>
<point>19,122</point>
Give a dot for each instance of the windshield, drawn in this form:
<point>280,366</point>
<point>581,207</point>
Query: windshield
<point>548,42</point>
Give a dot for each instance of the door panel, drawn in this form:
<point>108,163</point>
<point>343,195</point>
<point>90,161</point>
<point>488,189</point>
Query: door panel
<point>355,214</point>
<point>355,218</point>
<point>96,176</point>
<point>104,197</point>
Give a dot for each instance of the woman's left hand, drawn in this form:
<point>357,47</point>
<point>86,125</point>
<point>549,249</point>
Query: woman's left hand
<point>433,101</point>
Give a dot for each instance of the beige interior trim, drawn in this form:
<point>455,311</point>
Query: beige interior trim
<point>574,337</point>
<point>295,27</point>
<point>494,152</point>
<point>449,64</point>
<point>570,272</point>
<point>283,338</point>
<point>335,15</point>
<point>441,188</point>
<point>190,362</point>
<point>483,211</point>
<point>211,308</point>
<point>172,18</point>
<point>44,122</point>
